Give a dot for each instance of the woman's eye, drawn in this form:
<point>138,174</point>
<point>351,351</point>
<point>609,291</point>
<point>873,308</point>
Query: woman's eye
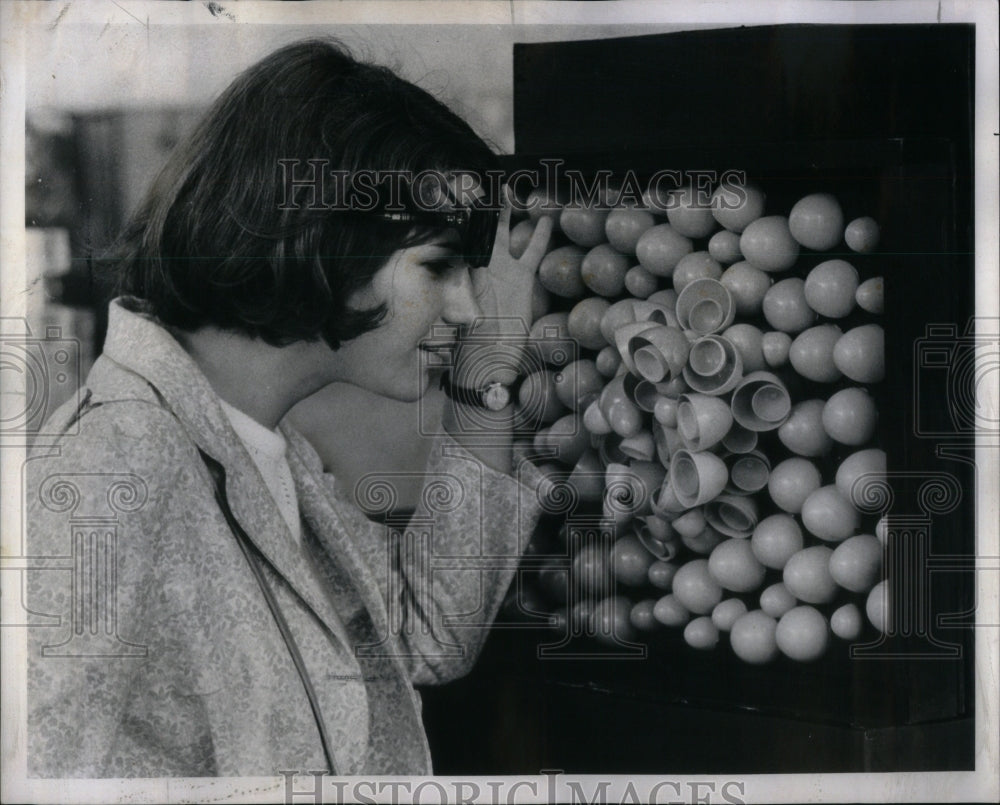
<point>442,267</point>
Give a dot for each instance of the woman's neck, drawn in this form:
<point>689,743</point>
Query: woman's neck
<point>261,380</point>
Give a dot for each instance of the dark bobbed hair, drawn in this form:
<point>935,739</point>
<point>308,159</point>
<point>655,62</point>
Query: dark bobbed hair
<point>211,245</point>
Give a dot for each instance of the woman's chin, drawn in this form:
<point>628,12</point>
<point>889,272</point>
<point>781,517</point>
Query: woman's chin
<point>414,388</point>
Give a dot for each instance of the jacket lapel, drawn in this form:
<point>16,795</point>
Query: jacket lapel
<point>147,349</point>
<point>324,521</point>
<point>255,509</point>
<point>397,743</point>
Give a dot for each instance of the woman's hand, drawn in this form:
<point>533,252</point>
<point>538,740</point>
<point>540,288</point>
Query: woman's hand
<point>494,343</point>
<point>492,348</point>
<point>505,287</point>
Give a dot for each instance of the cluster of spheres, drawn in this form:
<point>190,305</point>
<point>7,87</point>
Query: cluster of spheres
<point>718,413</point>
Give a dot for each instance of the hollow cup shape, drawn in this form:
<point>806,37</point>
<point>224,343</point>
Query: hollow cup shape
<point>655,311</point>
<point>697,478</point>
<point>706,306</point>
<point>750,473</point>
<point>608,449</point>
<point>690,523</point>
<point>714,366</point>
<point>624,334</point>
<point>761,402</point>
<point>658,527</point>
<point>732,515</point>
<point>661,548</point>
<point>659,354</point>
<point>707,357</point>
<point>640,446</point>
<point>702,420</point>
<point>664,502</point>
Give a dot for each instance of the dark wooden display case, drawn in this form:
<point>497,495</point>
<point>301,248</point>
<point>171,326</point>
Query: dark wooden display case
<point>881,116</point>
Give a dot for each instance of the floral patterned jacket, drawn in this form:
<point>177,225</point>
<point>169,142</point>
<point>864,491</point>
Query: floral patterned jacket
<point>158,654</point>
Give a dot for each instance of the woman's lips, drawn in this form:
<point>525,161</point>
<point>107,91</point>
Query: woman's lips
<point>438,353</point>
<point>439,347</point>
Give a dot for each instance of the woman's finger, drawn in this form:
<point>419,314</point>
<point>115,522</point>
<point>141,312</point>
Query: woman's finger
<point>481,281</point>
<point>502,243</point>
<point>539,243</point>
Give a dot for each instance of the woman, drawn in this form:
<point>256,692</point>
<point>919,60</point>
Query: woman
<point>230,610</point>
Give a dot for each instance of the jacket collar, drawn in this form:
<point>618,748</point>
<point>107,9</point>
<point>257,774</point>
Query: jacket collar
<point>143,346</point>
<point>139,343</point>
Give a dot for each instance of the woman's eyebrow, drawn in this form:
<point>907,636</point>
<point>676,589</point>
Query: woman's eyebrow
<point>448,239</point>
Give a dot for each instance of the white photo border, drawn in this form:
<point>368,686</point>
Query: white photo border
<point>16,18</point>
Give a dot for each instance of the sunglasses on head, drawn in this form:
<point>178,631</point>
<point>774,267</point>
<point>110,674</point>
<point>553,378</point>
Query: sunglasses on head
<point>438,208</point>
<point>477,228</point>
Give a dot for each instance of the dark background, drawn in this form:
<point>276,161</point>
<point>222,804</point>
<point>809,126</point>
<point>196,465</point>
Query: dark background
<point>881,116</point>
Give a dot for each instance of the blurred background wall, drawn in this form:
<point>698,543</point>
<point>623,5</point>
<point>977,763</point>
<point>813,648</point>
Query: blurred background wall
<point>105,104</point>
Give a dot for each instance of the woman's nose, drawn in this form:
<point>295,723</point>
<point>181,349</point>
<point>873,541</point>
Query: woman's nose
<point>461,305</point>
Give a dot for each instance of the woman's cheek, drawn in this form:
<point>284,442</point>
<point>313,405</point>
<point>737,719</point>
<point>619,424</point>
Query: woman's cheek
<point>426,305</point>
